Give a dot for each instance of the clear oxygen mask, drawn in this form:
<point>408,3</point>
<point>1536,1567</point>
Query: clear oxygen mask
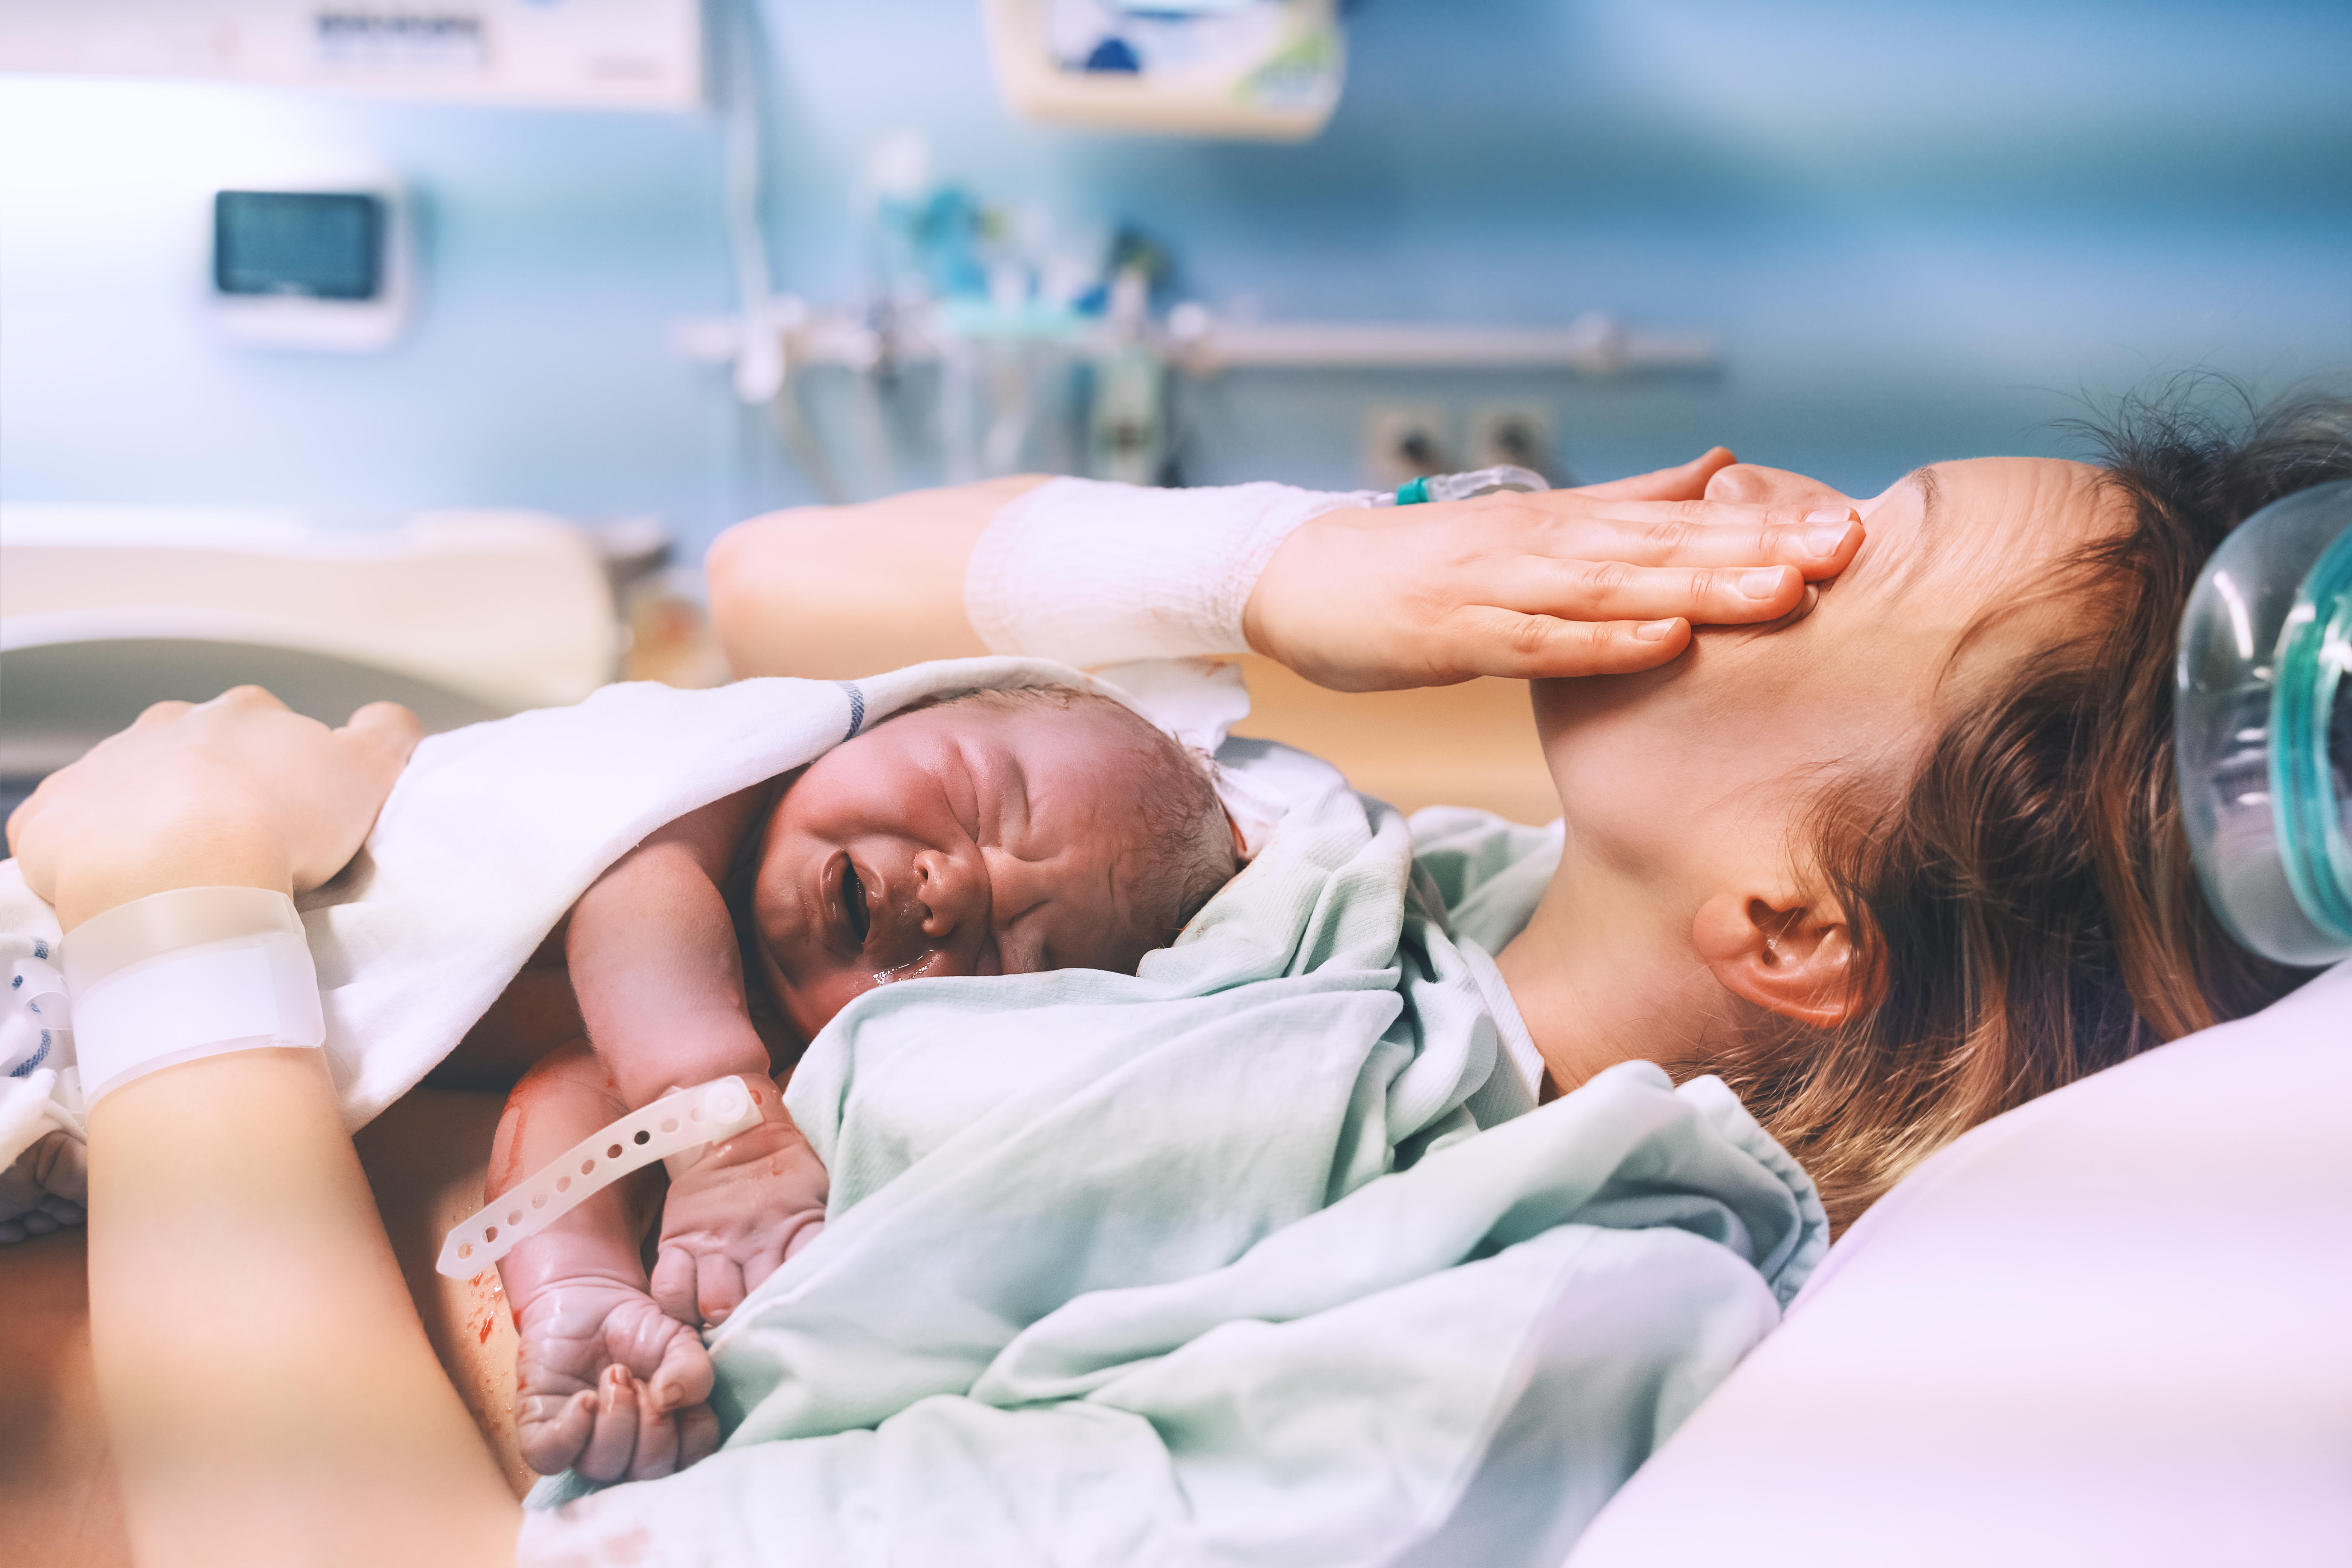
<point>2264,727</point>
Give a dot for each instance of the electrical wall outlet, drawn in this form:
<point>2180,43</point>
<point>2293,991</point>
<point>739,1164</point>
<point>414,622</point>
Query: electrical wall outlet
<point>1518,434</point>
<point>1403,441</point>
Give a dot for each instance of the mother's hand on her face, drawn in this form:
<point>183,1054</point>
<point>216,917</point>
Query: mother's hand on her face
<point>1604,580</point>
<point>240,790</point>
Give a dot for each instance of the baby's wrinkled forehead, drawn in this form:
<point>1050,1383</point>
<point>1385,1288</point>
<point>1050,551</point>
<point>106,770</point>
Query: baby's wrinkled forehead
<point>1065,718</point>
<point>1095,751</point>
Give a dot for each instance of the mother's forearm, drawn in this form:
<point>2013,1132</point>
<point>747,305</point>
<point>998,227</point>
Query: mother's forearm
<point>838,592</point>
<point>270,1393</point>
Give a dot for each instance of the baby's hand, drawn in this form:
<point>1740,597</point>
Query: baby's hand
<point>607,1384</point>
<point>737,1212</point>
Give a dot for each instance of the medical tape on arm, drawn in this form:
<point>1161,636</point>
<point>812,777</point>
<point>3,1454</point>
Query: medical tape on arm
<point>1093,572</point>
<point>184,975</point>
<point>675,1122</point>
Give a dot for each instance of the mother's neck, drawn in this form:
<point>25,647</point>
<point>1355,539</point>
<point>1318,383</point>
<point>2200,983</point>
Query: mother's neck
<point>1605,973</point>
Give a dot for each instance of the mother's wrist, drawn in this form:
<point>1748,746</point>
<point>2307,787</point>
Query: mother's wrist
<point>95,884</point>
<point>186,973</point>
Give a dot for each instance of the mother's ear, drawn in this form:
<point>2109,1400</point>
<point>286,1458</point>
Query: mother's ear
<point>1790,954</point>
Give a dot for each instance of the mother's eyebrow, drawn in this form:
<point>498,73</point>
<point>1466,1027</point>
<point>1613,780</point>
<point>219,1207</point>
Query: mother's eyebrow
<point>1931,491</point>
<point>1931,536</point>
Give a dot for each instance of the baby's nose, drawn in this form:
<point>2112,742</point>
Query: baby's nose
<point>949,895</point>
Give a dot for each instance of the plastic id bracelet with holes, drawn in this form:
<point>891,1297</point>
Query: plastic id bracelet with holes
<point>672,1123</point>
<point>192,973</point>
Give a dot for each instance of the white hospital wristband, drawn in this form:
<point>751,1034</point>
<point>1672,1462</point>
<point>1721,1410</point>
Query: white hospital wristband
<point>1093,572</point>
<point>192,973</point>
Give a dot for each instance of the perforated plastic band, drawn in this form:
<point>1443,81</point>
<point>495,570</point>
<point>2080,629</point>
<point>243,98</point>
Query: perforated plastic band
<point>675,1122</point>
<point>188,973</point>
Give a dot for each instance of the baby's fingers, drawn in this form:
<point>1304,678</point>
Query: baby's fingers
<point>719,1286</point>
<point>656,1454</point>
<point>550,1432</point>
<point>672,1286</point>
<point>612,1442</point>
<point>684,1376</point>
<point>697,1435</point>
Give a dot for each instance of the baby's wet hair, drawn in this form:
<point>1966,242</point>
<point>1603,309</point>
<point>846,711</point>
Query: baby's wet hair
<point>1185,850</point>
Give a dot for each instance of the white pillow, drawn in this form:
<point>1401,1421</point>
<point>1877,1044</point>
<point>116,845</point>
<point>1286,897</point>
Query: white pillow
<point>2114,1325</point>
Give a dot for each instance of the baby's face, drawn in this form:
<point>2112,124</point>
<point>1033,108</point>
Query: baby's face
<point>969,839</point>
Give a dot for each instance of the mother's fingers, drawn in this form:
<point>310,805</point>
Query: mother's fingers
<point>379,738</point>
<point>1687,482</point>
<point>1483,641</point>
<point>250,698</point>
<point>385,725</point>
<point>1820,542</point>
<point>1613,591</point>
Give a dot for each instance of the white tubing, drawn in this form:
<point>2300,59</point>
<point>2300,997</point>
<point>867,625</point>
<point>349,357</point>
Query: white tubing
<point>677,1122</point>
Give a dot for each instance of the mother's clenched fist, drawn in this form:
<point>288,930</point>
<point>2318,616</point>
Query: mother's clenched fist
<point>240,790</point>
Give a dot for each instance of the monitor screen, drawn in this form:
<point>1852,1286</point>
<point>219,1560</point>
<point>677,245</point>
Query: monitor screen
<point>313,245</point>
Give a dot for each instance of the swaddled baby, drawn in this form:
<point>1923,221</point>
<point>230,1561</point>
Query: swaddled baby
<point>999,832</point>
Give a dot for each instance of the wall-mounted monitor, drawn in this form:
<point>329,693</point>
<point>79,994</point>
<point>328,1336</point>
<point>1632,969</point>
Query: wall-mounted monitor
<point>320,264</point>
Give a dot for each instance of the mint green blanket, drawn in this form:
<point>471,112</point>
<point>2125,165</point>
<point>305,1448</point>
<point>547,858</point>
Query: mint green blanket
<point>1261,1255</point>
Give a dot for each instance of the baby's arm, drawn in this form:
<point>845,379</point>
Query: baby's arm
<point>659,976</point>
<point>606,1382</point>
<point>654,961</point>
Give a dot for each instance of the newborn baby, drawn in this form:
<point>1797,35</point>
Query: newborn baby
<point>1000,832</point>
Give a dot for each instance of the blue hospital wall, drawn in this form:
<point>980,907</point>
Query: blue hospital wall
<point>1918,231</point>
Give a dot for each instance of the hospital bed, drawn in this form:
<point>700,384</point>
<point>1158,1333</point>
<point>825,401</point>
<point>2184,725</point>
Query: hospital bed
<point>2110,1326</point>
<point>461,615</point>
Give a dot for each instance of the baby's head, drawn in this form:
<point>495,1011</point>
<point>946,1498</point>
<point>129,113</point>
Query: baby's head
<point>997,832</point>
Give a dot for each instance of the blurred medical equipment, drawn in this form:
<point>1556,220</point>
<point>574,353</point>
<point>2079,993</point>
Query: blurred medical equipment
<point>1264,69</point>
<point>2263,740</point>
<point>589,54</point>
<point>1002,369</point>
<point>310,248</point>
<point>460,615</point>
<point>1036,337</point>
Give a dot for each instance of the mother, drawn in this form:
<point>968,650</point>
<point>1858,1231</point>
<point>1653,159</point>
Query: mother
<point>1889,870</point>
<point>1933,866</point>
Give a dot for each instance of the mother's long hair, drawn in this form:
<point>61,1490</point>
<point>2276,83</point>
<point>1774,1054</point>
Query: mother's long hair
<point>2028,905</point>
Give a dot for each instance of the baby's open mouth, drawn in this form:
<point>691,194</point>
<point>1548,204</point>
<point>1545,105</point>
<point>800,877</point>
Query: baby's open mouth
<point>844,896</point>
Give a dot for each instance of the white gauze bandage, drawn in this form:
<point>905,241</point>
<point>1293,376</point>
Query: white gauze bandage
<point>1093,572</point>
<point>192,973</point>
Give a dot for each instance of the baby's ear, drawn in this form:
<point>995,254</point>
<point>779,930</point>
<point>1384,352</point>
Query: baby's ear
<point>1785,952</point>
